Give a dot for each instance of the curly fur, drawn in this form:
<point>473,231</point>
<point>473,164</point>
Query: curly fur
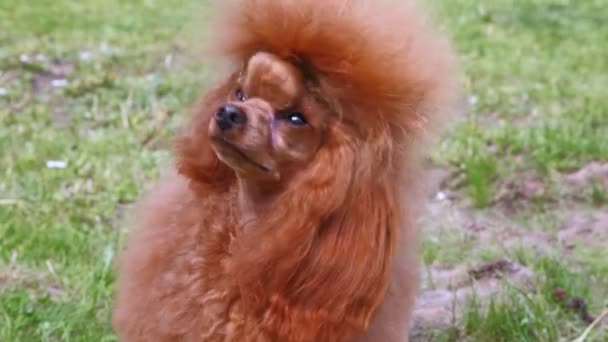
<point>333,258</point>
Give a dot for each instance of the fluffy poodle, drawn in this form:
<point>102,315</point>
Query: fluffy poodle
<point>290,214</point>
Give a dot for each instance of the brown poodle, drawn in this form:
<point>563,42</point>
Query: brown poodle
<point>290,216</point>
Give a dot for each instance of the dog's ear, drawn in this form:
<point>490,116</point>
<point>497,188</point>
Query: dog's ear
<point>317,266</point>
<point>196,159</point>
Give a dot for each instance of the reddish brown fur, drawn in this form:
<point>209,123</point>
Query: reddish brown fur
<point>322,247</point>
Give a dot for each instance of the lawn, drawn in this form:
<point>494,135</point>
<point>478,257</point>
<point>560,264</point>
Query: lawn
<point>92,91</point>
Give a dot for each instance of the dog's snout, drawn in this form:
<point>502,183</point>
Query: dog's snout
<point>230,116</point>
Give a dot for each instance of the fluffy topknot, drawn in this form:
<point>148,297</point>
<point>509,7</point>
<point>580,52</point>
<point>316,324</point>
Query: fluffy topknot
<point>379,62</point>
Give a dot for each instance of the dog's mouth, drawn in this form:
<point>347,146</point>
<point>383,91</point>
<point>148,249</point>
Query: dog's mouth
<point>232,148</point>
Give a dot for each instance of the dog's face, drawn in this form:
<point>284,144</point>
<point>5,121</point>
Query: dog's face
<point>269,126</point>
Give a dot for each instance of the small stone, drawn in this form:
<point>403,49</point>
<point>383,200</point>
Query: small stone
<point>59,83</point>
<point>56,164</point>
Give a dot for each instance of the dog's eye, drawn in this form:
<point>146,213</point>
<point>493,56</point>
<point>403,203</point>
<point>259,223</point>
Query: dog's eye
<point>240,95</point>
<point>296,119</point>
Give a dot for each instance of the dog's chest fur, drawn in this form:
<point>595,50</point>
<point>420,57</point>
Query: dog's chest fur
<point>184,292</point>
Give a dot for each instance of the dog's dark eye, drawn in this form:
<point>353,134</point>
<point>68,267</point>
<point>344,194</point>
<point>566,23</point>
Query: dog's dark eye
<point>296,119</point>
<point>240,95</point>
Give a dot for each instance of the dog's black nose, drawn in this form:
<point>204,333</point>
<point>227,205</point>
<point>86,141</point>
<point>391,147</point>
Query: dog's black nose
<point>229,116</point>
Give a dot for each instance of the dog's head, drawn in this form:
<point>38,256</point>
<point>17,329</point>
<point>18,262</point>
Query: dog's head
<point>270,124</point>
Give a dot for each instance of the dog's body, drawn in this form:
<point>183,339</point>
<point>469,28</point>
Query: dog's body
<point>172,287</point>
<point>290,214</point>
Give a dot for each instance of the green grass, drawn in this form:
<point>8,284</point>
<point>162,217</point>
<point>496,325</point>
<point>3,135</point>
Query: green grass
<point>112,123</point>
<point>532,314</point>
<point>538,70</point>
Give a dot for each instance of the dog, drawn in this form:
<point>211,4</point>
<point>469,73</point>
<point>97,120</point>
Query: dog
<point>290,212</point>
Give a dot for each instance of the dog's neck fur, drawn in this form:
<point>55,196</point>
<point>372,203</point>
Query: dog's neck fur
<point>256,197</point>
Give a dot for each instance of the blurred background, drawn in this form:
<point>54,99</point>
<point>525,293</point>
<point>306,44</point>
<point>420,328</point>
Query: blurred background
<point>515,239</point>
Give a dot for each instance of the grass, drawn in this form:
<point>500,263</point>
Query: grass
<point>60,227</point>
<point>535,70</point>
<point>534,315</point>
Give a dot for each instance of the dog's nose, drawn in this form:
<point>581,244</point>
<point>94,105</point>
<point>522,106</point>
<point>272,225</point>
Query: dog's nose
<point>229,116</point>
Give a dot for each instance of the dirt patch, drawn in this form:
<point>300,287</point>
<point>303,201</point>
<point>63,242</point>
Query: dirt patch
<point>48,78</point>
<point>32,281</point>
<point>593,172</point>
<point>493,270</point>
<point>500,226</point>
<point>560,224</point>
<point>44,83</point>
<point>440,309</point>
<point>519,189</point>
<point>482,228</point>
<point>14,276</point>
<point>586,228</point>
